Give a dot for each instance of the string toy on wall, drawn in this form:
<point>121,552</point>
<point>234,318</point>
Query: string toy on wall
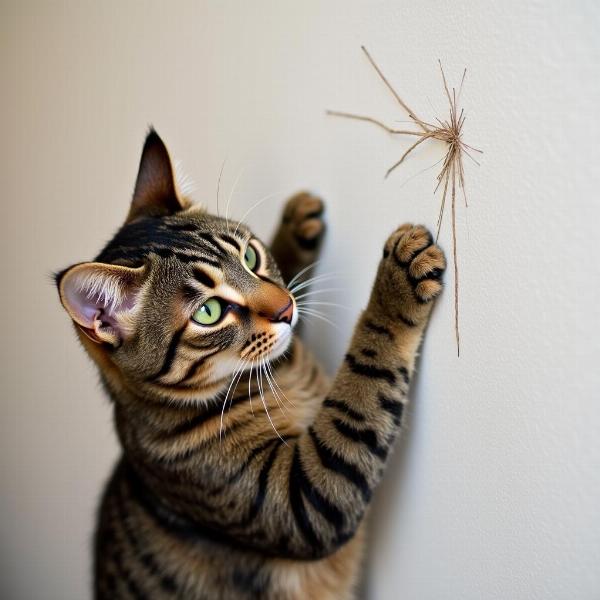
<point>452,174</point>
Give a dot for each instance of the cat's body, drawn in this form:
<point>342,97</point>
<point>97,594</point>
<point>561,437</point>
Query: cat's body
<point>238,487</point>
<point>139,544</point>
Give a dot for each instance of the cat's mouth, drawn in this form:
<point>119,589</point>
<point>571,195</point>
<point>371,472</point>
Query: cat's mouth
<point>267,344</point>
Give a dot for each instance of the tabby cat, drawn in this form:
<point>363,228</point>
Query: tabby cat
<point>245,473</point>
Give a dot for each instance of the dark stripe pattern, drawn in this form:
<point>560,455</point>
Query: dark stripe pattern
<point>203,278</point>
<point>404,319</point>
<point>263,480</point>
<point>301,489</point>
<point>209,411</point>
<point>336,463</point>
<point>368,437</point>
<point>196,366</point>
<point>379,329</point>
<point>369,370</point>
<point>393,407</point>
<point>231,240</point>
<point>135,241</point>
<point>169,355</point>
<point>344,408</point>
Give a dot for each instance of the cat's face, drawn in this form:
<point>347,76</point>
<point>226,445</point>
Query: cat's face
<point>179,299</point>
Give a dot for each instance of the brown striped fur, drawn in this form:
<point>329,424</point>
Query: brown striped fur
<point>233,486</point>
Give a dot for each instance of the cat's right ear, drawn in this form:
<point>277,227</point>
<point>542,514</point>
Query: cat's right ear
<point>156,193</point>
<point>102,299</point>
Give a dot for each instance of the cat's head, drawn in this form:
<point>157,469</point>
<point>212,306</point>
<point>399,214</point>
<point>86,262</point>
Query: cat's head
<point>178,299</point>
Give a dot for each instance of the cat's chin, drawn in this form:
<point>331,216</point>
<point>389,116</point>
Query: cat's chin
<point>284,338</point>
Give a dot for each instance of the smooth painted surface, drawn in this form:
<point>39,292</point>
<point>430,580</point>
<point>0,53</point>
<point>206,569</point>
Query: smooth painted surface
<point>495,488</point>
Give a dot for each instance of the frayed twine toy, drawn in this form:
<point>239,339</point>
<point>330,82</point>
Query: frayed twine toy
<point>452,174</point>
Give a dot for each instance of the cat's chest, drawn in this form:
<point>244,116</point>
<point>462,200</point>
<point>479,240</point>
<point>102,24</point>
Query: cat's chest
<point>301,388</point>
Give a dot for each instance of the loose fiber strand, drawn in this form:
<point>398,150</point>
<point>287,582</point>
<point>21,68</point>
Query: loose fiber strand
<point>452,173</point>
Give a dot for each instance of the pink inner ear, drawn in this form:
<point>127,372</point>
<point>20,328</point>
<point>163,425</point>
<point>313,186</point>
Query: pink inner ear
<point>95,295</point>
<point>83,309</point>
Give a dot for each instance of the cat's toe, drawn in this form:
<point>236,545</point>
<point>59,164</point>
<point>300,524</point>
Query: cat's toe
<point>303,215</point>
<point>412,249</point>
<point>407,241</point>
<point>411,271</point>
<point>425,273</point>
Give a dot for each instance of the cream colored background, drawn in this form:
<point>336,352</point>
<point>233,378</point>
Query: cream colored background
<point>495,489</point>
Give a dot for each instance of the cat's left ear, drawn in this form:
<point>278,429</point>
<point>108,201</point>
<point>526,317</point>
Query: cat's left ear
<point>156,193</point>
<point>101,299</point>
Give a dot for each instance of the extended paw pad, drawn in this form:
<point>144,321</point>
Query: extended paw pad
<point>412,248</point>
<point>303,215</point>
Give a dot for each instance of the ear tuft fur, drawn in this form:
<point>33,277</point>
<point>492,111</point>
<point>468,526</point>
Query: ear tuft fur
<point>185,184</point>
<point>100,298</point>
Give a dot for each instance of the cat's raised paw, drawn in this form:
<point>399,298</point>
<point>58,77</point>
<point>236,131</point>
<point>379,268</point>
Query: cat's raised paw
<point>302,217</point>
<point>410,274</point>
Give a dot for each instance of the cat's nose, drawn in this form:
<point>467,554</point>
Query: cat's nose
<point>274,304</point>
<point>285,314</point>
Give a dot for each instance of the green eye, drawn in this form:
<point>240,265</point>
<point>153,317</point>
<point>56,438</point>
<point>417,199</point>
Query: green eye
<point>251,258</point>
<point>209,313</point>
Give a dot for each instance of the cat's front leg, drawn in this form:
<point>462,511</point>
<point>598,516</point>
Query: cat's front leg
<point>297,240</point>
<point>350,439</point>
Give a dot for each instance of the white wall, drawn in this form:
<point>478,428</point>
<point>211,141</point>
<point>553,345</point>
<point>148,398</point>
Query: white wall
<point>495,488</point>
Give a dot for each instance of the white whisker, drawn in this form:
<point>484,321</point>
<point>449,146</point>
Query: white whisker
<point>275,395</point>
<point>312,280</point>
<point>321,291</point>
<point>268,366</point>
<point>241,372</point>
<point>250,387</point>
<point>237,179</point>
<point>318,315</point>
<point>255,205</point>
<point>298,275</point>
<point>262,397</point>
<point>238,370</point>
<point>311,303</point>
<point>219,184</point>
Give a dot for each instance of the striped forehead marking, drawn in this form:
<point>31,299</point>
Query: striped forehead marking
<point>188,242</point>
